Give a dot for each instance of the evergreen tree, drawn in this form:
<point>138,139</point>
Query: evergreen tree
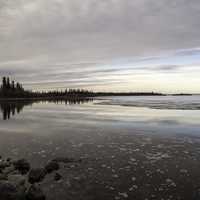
<point>4,82</point>
<point>8,83</point>
<point>13,85</point>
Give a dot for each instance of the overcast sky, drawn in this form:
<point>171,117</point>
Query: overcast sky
<point>108,45</point>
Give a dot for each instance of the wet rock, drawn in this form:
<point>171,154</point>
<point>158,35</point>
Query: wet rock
<point>22,166</point>
<point>57,177</point>
<point>17,180</point>
<point>4,164</point>
<point>9,170</point>
<point>9,191</point>
<point>196,195</point>
<point>52,166</point>
<point>123,194</point>
<point>3,177</point>
<point>36,175</point>
<point>35,193</point>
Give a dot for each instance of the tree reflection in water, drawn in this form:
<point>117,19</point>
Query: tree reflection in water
<point>10,108</point>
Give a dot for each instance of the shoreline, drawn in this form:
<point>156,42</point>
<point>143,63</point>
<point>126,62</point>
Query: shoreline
<point>42,98</point>
<point>122,166</point>
<point>90,97</point>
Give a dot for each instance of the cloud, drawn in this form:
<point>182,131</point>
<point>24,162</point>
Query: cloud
<point>65,40</point>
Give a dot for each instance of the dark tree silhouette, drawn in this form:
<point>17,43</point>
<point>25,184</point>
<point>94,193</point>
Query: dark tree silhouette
<point>11,90</point>
<point>8,83</point>
<point>13,85</point>
<point>4,83</point>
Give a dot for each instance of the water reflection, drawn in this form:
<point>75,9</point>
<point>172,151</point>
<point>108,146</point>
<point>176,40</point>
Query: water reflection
<point>10,108</point>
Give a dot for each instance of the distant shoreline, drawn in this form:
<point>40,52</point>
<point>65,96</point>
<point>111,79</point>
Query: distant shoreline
<point>11,90</point>
<point>88,97</point>
<point>43,98</point>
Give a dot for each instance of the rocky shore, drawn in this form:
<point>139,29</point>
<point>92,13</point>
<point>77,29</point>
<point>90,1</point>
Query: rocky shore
<point>19,181</point>
<point>118,167</point>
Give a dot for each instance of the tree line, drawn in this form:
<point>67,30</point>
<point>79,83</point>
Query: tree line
<point>12,89</point>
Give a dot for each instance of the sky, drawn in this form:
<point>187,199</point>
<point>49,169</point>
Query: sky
<point>102,45</point>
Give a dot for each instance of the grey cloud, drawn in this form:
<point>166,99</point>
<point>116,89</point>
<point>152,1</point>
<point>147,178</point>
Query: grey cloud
<point>44,40</point>
<point>167,67</point>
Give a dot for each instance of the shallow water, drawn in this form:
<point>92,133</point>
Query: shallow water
<point>25,125</point>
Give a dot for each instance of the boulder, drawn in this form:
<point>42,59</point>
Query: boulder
<point>35,193</point>
<point>57,177</point>
<point>17,180</point>
<point>22,166</point>
<point>36,175</point>
<point>4,164</point>
<point>52,166</point>
<point>9,170</point>
<point>3,177</point>
<point>8,191</point>
<point>196,195</point>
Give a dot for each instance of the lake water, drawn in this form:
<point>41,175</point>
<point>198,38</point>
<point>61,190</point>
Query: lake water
<point>120,136</point>
<point>27,125</point>
<point>176,114</point>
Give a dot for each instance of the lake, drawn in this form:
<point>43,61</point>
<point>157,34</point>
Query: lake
<point>180,114</point>
<point>132,147</point>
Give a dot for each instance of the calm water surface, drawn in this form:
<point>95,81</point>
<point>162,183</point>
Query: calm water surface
<point>26,127</point>
<point>145,113</point>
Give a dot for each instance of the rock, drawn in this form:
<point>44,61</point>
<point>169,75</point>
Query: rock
<point>3,177</point>
<point>22,166</point>
<point>36,175</point>
<point>4,164</point>
<point>9,170</point>
<point>35,193</point>
<point>57,177</point>
<point>52,166</point>
<point>196,195</point>
<point>9,191</point>
<point>17,180</point>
